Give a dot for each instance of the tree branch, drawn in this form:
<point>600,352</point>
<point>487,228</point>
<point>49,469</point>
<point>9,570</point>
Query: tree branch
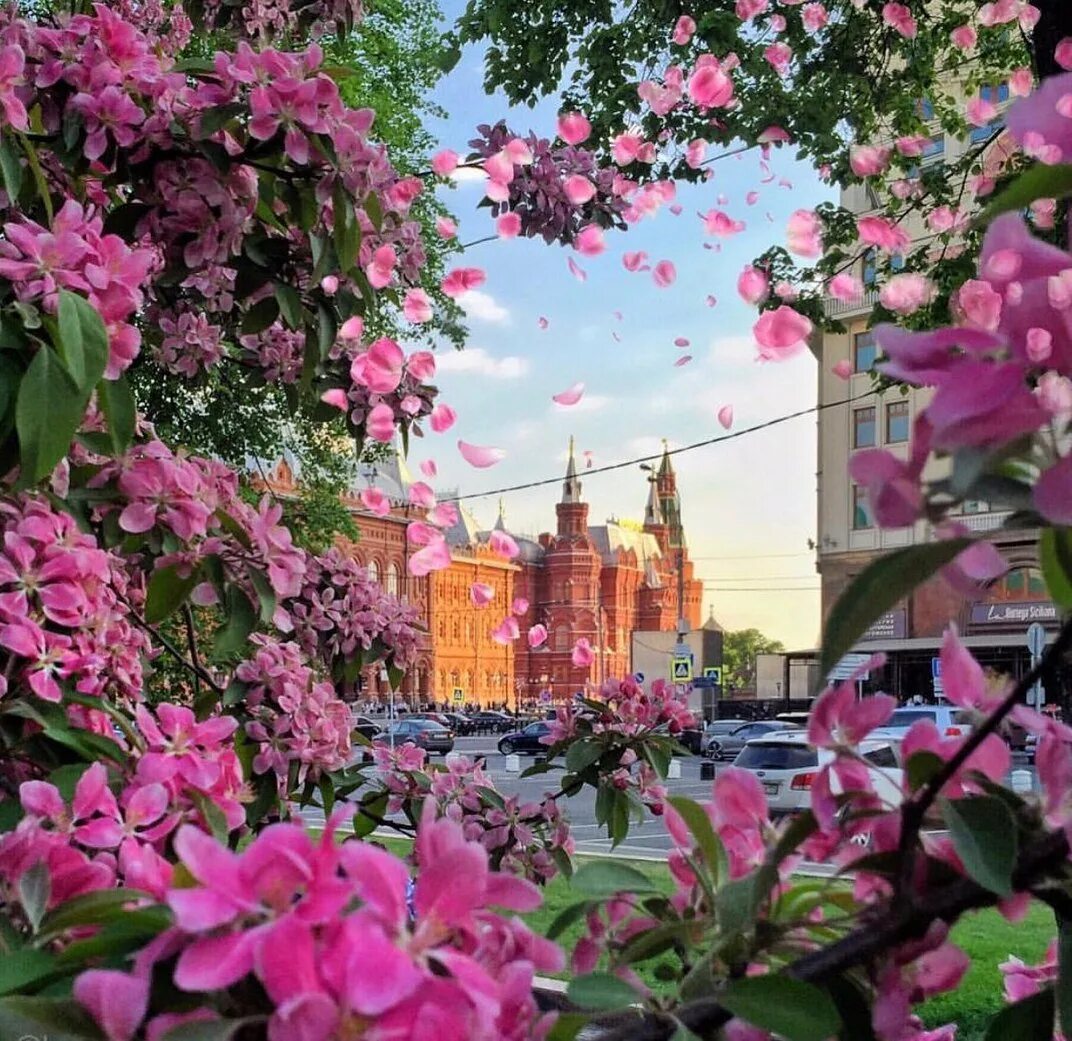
<point>194,668</point>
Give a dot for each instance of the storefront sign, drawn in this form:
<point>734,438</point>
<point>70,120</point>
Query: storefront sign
<point>893,625</point>
<point>1014,613</point>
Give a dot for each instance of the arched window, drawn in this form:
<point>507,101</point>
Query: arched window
<point>468,631</point>
<point>1022,583</point>
<point>456,630</point>
<point>562,638</point>
<point>393,584</point>
<point>374,570</point>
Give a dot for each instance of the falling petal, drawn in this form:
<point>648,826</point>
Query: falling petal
<point>664,274</point>
<point>542,322</point>
<point>725,416</point>
<point>336,397</point>
<point>617,338</point>
<point>752,198</point>
<point>842,369</point>
<point>683,360</point>
<point>711,300</point>
<point>676,209</point>
<point>480,456</point>
<point>681,341</point>
<point>618,315</point>
<point>429,468</point>
<point>576,270</point>
<point>570,396</point>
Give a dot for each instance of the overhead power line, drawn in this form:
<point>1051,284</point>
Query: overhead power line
<point>744,432</point>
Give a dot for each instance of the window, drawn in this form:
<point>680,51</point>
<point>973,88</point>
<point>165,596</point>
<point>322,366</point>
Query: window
<point>996,95</point>
<point>896,422</point>
<point>374,571</point>
<point>897,262</point>
<point>925,108</point>
<point>863,427</point>
<point>1022,583</point>
<point>776,757</point>
<point>974,506</point>
<point>864,351</point>
<point>869,274</point>
<point>393,579</point>
<point>861,512</point>
<point>883,757</point>
<point>980,134</point>
<point>934,147</point>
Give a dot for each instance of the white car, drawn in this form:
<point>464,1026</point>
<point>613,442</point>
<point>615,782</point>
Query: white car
<point>786,765</point>
<point>950,720</point>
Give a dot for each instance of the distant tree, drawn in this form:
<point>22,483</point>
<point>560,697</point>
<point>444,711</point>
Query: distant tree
<point>739,650</point>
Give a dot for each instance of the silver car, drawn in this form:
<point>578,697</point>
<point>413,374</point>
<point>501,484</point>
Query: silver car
<point>728,746</point>
<point>717,730</point>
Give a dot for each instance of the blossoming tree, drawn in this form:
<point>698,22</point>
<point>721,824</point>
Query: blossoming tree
<point>156,881</point>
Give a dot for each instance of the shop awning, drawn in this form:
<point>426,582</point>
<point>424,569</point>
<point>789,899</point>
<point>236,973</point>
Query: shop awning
<point>934,643</point>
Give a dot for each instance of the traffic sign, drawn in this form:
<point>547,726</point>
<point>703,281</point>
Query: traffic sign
<point>681,670</point>
<point>459,694</point>
<point>639,677</point>
<point>705,681</point>
<point>936,668</point>
<point>847,666</point>
<point>713,672</point>
<point>1036,639</point>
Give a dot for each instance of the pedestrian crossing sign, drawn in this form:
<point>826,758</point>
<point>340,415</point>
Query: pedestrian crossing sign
<point>713,672</point>
<point>459,694</point>
<point>681,670</point>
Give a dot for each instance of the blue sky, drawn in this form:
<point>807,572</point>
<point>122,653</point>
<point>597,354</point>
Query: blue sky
<point>749,504</point>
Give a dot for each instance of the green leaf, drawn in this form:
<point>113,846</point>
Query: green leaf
<point>213,815</point>
<point>373,209</point>
<point>290,305</point>
<point>369,814</point>
<point>45,1019</point>
<point>93,908</point>
<point>35,887</point>
<point>565,918</point>
<point>567,1026</point>
<point>346,231</point>
<point>600,879</point>
<point>582,754</point>
<point>117,937</point>
<point>921,767</point>
<point>1055,558</point>
<point>1038,182</point>
<point>212,1030</point>
<point>1063,990</point>
<point>47,414</point>
<point>658,755</point>
<point>736,903</point>
<point>167,591</point>
<point>11,168</point>
<point>795,1010</point>
<point>265,594</point>
<point>878,588</point>
<point>116,401</point>
<point>24,969</point>
<point>260,315</point>
<point>601,990</point>
<point>1029,1020</point>
<point>699,824</point>
<point>241,618</point>
<point>983,830</point>
<point>82,341</point>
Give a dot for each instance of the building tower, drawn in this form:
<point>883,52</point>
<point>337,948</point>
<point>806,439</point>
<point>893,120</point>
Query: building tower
<point>669,500</point>
<point>571,509</point>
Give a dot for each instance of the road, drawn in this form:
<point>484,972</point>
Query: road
<point>646,839</point>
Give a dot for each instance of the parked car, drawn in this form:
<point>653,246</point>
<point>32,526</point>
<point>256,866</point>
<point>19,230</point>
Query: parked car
<point>436,717</point>
<point>728,746</point>
<point>424,733</point>
<point>460,724</point>
<point>366,727</point>
<point>786,765</point>
<point>527,740</point>
<point>716,731</point>
<point>490,721</point>
<point>950,720</point>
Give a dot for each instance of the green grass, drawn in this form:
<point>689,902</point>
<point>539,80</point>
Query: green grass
<point>986,937</point>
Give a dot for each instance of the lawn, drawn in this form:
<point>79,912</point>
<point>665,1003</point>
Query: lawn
<point>985,936</point>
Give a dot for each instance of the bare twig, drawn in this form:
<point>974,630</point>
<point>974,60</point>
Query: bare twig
<point>168,646</point>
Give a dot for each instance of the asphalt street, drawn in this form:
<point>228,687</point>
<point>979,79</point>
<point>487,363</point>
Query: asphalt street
<point>646,839</point>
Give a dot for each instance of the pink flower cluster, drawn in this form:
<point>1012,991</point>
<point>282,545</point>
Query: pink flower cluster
<point>62,618</point>
<point>627,709</point>
<point>75,254</point>
<point>328,933</point>
<point>339,613</point>
<point>1002,373</point>
<point>296,718</point>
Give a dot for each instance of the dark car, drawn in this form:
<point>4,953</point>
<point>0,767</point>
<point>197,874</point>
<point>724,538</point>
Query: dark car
<point>459,724</point>
<point>491,722</point>
<point>366,727</point>
<point>728,746</point>
<point>690,740</point>
<point>526,741</point>
<point>432,737</point>
<point>435,717</point>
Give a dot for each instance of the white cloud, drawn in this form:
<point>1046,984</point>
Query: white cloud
<point>484,307</point>
<point>467,176</point>
<point>478,362</point>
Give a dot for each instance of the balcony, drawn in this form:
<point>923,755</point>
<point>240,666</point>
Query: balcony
<point>843,308</point>
<point>983,521</point>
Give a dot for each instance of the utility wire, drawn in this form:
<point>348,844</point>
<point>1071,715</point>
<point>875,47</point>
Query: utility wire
<point>777,421</point>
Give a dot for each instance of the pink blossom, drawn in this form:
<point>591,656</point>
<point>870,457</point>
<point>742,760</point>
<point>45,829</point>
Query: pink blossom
<point>716,222</point>
<point>380,423</point>
<point>814,16</point>
<point>845,286</point>
<point>446,229</point>
<point>417,307</point>
<point>964,37</point>
<point>709,86</point>
<point>381,270</point>
<point>840,719</point>
<point>573,128</point>
<point>461,280</point>
<point>779,56</point>
<point>980,111</point>
<point>635,261</point>
<point>868,160</point>
<point>481,594</point>
<point>519,606</point>
<point>906,293</point>
<point>117,1001</point>
<point>375,501</point>
<point>433,557</point>
<point>725,416</point>
<point>899,18</point>
<point>578,189</point>
<point>442,418</point>
<point>1039,123</point>
<point>537,636</point>
<point>753,285</point>
<point>781,333</point>
<point>684,27</point>
<point>12,66</point>
<point>589,241</point>
<point>444,162</point>
<point>479,455</point>
<point>625,148</point>
<point>746,10</point>
<point>664,274</point>
<point>506,631</point>
<point>571,396</point>
<point>882,233</point>
<point>503,544</point>
<point>694,156</point>
<point>582,654</point>
<point>894,492</point>
<point>804,234</point>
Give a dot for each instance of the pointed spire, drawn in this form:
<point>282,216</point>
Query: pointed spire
<point>571,486</point>
<point>653,512</point>
<point>666,468</point>
<point>500,523</point>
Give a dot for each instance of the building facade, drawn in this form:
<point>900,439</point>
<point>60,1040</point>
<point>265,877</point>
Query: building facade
<point>851,417</point>
<point>598,582</point>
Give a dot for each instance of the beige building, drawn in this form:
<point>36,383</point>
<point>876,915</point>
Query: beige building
<point>852,417</point>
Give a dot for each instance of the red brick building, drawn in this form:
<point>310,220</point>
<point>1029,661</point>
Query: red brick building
<point>602,582</point>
